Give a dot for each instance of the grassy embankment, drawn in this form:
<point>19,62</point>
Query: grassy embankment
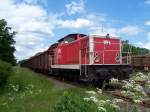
<point>27,91</point>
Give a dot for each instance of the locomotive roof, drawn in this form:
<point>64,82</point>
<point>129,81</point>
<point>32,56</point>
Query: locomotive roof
<point>83,35</point>
<point>74,34</point>
<point>52,46</point>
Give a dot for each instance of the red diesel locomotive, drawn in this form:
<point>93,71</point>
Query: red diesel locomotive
<point>89,58</point>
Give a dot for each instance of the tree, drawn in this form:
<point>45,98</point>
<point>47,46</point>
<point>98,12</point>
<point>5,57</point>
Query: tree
<point>7,42</point>
<point>131,48</point>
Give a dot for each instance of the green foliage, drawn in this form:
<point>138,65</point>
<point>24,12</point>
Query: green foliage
<point>29,92</point>
<point>5,72</point>
<point>33,92</point>
<point>133,90</point>
<point>109,106</point>
<point>24,77</point>
<point>135,50</point>
<point>71,102</point>
<point>106,105</point>
<point>7,43</point>
<point>21,62</point>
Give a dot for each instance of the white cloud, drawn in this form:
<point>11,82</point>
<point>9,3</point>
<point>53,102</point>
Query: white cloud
<point>147,2</point>
<point>103,31</point>
<point>78,23</point>
<point>148,23</point>
<point>127,30</point>
<point>97,18</point>
<point>130,30</point>
<point>29,45</point>
<point>32,23</point>
<point>43,2</point>
<point>91,20</point>
<point>149,35</point>
<point>145,44</point>
<point>75,7</point>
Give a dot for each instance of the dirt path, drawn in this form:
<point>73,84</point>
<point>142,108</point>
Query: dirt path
<point>60,85</point>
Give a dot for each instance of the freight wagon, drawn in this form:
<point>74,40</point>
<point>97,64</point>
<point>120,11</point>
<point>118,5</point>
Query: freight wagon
<point>141,62</point>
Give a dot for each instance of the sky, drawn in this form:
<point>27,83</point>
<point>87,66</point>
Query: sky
<point>40,23</point>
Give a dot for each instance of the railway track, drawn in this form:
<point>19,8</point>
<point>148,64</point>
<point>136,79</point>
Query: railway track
<point>127,103</point>
<point>118,94</point>
<point>108,89</point>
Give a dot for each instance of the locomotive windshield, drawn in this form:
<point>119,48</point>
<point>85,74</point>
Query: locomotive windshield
<point>70,38</point>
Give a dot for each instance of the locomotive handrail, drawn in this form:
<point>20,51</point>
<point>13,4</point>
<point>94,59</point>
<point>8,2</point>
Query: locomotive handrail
<point>101,36</point>
<point>128,54</point>
<point>111,50</point>
<point>80,61</point>
<point>86,62</point>
<point>50,63</point>
<point>103,57</point>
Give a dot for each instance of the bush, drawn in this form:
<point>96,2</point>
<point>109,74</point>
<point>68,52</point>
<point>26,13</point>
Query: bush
<point>5,72</point>
<point>71,102</point>
<point>106,105</point>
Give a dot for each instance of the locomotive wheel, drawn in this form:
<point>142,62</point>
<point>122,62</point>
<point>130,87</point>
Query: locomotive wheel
<point>114,73</point>
<point>97,78</point>
<point>95,82</point>
<point>103,74</point>
<point>126,73</point>
<point>119,74</point>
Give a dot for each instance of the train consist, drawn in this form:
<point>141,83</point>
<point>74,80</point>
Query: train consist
<point>141,62</point>
<point>88,58</point>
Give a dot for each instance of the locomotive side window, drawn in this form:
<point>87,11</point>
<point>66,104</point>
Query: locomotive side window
<point>69,39</point>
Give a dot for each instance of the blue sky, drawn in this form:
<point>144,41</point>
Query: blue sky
<point>40,23</point>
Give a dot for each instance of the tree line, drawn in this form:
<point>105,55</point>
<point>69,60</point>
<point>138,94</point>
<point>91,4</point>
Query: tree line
<point>129,48</point>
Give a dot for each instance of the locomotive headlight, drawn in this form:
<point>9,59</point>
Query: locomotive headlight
<point>97,57</point>
<point>117,58</point>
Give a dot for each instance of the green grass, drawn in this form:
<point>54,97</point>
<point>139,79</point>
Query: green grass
<point>32,92</point>
<point>39,98</point>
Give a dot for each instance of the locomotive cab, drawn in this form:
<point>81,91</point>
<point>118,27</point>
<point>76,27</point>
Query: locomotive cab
<point>94,58</point>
